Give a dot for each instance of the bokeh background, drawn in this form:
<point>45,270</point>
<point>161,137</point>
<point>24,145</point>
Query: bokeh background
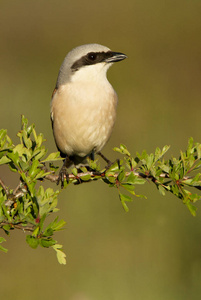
<point>154,251</point>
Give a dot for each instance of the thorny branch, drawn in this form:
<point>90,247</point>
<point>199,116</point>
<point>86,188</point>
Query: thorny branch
<point>21,188</point>
<point>54,178</point>
<point>20,226</point>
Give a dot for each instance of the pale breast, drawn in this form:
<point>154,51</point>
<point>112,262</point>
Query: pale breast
<point>82,118</point>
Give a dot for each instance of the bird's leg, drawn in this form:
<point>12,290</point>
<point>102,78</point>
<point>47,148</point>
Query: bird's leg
<point>63,174</point>
<point>109,163</point>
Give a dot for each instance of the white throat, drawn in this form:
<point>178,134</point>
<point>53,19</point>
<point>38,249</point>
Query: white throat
<point>97,72</point>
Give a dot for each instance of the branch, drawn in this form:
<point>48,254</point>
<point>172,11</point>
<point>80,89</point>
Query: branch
<point>4,187</point>
<point>20,226</point>
<point>94,174</point>
<point>28,205</point>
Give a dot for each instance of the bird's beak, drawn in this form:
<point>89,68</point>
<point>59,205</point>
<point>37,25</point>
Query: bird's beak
<point>115,56</point>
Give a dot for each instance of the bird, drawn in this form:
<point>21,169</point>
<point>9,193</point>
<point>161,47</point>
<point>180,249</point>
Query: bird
<point>83,104</point>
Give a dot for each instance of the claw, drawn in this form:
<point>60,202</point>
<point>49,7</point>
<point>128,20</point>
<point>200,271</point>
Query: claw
<point>63,174</point>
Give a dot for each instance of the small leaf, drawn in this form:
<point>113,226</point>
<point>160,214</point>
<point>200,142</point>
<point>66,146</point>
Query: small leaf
<point>61,256</point>
<point>150,160</point>
<point>84,169</point>
<point>113,168</point>
<point>4,160</point>
<point>121,176</point>
<point>191,208</point>
<point>14,157</point>
<point>47,242</point>
<point>3,133</point>
<point>52,157</point>
<point>7,227</point>
<point>1,247</point>
<point>86,177</point>
<point>124,150</point>
<point>129,187</point>
<point>116,149</point>
<point>27,141</point>
<point>40,154</point>
<point>124,199</point>
<point>133,179</point>
<point>59,225</point>
<point>161,190</point>
<point>33,169</point>
<point>74,171</point>
<point>32,241</point>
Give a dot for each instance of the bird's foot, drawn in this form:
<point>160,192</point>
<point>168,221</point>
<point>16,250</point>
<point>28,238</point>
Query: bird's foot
<point>63,174</point>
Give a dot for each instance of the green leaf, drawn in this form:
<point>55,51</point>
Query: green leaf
<point>3,133</point>
<point>40,139</point>
<point>161,190</point>
<point>48,232</point>
<point>86,177</point>
<point>47,242</point>
<point>12,167</point>
<point>4,160</point>
<point>116,149</point>
<point>24,121</point>
<point>14,157</point>
<point>74,171</point>
<point>32,241</point>
<point>33,169</point>
<point>124,198</point>
<point>40,154</point>
<point>55,156</point>
<point>54,226</point>
<point>7,228</point>
<point>191,208</point>
<point>121,176</point>
<point>150,160</point>
<point>133,179</point>
<point>84,169</point>
<point>131,163</point>
<point>129,187</point>
<point>58,225</point>
<point>198,148</point>
<point>61,256</point>
<point>190,146</point>
<point>27,141</point>
<point>122,149</point>
<point>36,231</point>
<point>29,129</point>
<point>113,168</point>
<point>1,247</point>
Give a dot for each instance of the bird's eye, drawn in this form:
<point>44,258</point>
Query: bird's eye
<point>92,56</point>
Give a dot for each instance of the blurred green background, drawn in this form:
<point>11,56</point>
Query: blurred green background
<point>154,251</point>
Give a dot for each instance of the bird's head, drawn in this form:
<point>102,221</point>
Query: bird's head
<point>87,62</point>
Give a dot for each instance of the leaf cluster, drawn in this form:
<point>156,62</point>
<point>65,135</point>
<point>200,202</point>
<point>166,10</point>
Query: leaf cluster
<point>177,176</point>
<point>28,205</point>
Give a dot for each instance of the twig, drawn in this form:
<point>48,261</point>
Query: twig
<point>4,187</point>
<point>93,174</point>
<point>18,226</point>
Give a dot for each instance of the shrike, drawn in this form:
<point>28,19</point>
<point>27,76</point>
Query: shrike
<point>83,106</point>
